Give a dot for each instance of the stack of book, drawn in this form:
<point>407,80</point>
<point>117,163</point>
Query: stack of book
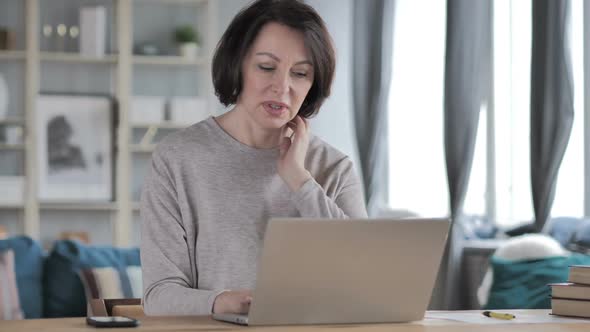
<point>572,298</point>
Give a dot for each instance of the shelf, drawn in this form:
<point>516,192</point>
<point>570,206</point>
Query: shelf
<point>168,60</point>
<point>173,2</point>
<point>13,121</point>
<point>163,125</point>
<point>74,206</point>
<point>12,146</point>
<point>11,206</point>
<point>13,55</point>
<point>136,148</point>
<point>77,58</point>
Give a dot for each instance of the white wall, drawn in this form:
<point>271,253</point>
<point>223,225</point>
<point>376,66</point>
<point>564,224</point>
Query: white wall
<point>334,123</point>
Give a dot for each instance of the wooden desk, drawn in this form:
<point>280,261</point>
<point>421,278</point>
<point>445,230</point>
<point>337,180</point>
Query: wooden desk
<point>431,323</point>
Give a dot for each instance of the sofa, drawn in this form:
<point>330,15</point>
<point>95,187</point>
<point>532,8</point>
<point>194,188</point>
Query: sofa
<point>60,283</point>
<point>522,267</point>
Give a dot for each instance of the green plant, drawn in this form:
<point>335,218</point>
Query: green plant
<point>186,34</point>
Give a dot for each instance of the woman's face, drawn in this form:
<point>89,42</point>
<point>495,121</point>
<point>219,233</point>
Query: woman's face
<point>277,74</point>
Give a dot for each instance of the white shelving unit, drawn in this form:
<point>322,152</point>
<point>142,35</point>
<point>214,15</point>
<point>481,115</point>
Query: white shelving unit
<point>123,65</point>
<point>136,148</point>
<point>14,121</point>
<point>13,55</point>
<point>168,60</point>
<point>163,125</point>
<point>12,147</point>
<point>79,206</point>
<point>76,58</point>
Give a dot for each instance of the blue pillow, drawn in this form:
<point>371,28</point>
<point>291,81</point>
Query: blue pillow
<point>523,284</point>
<point>64,292</point>
<point>28,260</point>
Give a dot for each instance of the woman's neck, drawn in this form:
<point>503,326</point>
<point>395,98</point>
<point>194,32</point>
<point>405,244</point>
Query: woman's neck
<point>247,132</point>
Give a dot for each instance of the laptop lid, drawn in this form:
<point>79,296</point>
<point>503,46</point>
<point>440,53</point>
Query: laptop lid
<point>347,271</point>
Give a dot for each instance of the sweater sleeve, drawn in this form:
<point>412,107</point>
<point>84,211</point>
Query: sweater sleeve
<point>168,269</point>
<point>348,202</point>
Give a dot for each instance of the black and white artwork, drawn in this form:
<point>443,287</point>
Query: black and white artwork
<point>75,148</point>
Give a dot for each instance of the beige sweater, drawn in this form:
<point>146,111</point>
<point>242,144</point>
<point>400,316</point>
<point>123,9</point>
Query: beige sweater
<point>205,205</point>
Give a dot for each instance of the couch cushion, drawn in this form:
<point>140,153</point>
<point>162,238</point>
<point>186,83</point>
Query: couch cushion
<point>64,292</point>
<point>9,303</point>
<point>112,283</point>
<point>28,259</point>
<point>523,284</point>
<point>580,239</point>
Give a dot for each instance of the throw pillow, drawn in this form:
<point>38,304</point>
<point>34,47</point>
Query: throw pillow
<point>9,303</point>
<point>112,283</point>
<point>28,260</point>
<point>64,292</point>
<point>523,284</point>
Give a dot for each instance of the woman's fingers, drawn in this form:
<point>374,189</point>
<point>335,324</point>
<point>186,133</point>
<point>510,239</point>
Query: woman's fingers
<point>284,147</point>
<point>301,126</point>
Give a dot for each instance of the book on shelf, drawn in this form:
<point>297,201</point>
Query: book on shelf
<point>579,274</point>
<point>568,290</point>
<point>570,307</point>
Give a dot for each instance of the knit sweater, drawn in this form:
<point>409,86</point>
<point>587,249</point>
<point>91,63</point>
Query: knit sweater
<point>205,204</point>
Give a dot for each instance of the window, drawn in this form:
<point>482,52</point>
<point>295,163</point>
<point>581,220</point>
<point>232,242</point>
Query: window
<point>500,187</point>
<point>418,178</point>
<point>509,198</point>
<point>569,193</point>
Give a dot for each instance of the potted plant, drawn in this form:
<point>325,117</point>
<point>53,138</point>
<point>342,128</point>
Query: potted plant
<point>188,40</point>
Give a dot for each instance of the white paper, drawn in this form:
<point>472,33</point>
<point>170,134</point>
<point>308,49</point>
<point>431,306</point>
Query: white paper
<point>476,317</point>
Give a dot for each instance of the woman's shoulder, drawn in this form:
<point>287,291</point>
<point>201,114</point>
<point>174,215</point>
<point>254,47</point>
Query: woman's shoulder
<point>193,138</point>
<point>322,152</point>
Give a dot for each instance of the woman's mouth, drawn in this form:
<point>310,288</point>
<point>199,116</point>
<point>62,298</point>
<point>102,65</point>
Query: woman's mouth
<point>275,109</point>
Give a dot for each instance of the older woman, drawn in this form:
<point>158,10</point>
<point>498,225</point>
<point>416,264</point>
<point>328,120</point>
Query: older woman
<point>212,187</point>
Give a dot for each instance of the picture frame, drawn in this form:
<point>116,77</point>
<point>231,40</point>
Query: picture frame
<point>75,148</point>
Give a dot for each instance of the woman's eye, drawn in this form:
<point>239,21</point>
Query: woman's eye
<point>298,74</point>
<point>266,68</point>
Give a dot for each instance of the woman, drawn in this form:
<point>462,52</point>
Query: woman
<point>212,187</point>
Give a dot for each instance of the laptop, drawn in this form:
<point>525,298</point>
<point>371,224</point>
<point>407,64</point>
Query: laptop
<point>328,271</point>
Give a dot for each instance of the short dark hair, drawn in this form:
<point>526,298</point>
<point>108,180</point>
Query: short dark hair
<point>241,33</point>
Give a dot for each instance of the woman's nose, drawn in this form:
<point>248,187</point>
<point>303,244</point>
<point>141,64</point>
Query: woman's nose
<point>281,82</point>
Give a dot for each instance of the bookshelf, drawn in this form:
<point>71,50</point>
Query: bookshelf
<point>13,55</point>
<point>79,206</point>
<point>12,147</point>
<point>13,121</point>
<point>76,58</point>
<point>169,61</point>
<point>123,70</point>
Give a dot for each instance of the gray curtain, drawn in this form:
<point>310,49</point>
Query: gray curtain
<point>552,110</point>
<point>372,59</point>
<point>467,86</point>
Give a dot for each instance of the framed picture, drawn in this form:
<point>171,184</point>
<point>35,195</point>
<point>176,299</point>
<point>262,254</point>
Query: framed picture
<point>75,148</point>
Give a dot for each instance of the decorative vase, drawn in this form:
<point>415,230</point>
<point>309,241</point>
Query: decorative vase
<point>189,50</point>
<point>3,97</point>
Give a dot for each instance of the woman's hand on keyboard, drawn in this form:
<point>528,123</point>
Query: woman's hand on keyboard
<point>233,302</point>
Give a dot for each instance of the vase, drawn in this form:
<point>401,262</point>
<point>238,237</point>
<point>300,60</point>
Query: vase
<point>189,50</point>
